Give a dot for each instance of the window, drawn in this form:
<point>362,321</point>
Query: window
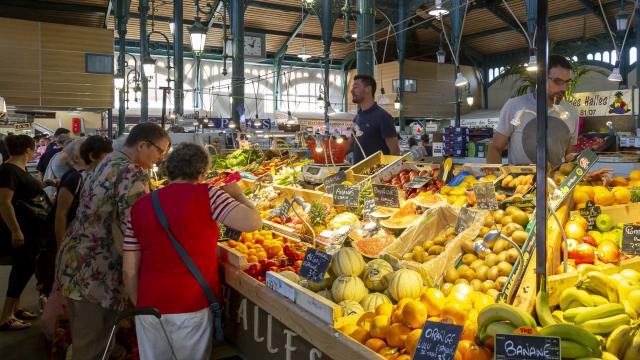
<point>633,55</point>
<point>597,57</point>
<point>605,56</point>
<point>614,57</point>
<point>501,70</point>
<point>491,75</point>
<point>410,85</point>
<point>589,56</point>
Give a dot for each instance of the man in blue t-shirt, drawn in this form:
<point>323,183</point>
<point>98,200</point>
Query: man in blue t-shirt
<point>373,127</point>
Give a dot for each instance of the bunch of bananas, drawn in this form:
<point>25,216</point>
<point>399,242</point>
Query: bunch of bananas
<point>502,319</point>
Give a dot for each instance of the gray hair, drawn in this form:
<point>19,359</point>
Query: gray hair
<point>187,161</point>
<point>71,152</point>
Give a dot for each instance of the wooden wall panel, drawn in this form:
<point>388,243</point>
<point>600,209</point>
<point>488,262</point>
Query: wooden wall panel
<point>76,38</point>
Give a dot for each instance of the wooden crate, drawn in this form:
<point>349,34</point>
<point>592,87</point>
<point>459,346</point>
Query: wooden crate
<point>625,213</point>
<point>353,178</point>
<point>373,160</point>
<point>231,256</point>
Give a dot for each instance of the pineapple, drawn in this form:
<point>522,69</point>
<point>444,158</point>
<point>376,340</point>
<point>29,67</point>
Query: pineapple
<point>317,214</point>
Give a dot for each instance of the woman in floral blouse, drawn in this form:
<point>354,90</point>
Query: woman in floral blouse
<point>89,262</point>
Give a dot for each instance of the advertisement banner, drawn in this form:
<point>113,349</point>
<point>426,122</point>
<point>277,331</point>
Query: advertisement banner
<point>603,103</point>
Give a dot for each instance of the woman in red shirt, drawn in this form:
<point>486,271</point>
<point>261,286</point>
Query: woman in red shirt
<point>155,274</point>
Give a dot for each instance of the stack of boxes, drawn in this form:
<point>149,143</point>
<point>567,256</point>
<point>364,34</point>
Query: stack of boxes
<point>455,141</point>
<point>479,139</point>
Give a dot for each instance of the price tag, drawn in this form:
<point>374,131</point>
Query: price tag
<point>231,234</point>
<point>437,149</point>
<point>386,196</point>
<point>284,210</point>
<point>369,206</point>
<point>314,265</point>
<point>346,195</point>
<point>466,217</point>
<point>418,182</point>
<point>485,195</point>
<point>585,161</point>
<point>512,347</point>
<point>278,285</point>
<point>590,213</point>
<point>631,239</point>
<point>332,180</point>
<point>438,341</point>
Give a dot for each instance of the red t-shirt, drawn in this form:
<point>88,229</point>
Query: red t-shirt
<point>164,281</point>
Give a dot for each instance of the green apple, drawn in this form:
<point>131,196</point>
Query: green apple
<point>597,235</point>
<point>619,226</point>
<point>604,222</point>
<point>611,236</point>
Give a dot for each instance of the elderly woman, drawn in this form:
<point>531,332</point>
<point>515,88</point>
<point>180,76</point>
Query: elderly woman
<point>89,261</point>
<point>60,163</point>
<point>155,274</point>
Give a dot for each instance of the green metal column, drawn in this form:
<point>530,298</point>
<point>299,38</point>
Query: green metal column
<point>237,76</point>
<point>532,9</point>
<point>121,13</point>
<point>143,8</point>
<point>402,50</point>
<point>624,67</point>
<point>197,89</point>
<point>457,14</point>
<point>327,23</point>
<point>277,68</point>
<point>178,56</point>
<point>366,28</point>
<point>485,87</point>
<point>637,15</point>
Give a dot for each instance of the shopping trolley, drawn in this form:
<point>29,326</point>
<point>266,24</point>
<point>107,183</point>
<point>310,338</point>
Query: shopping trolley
<point>133,313</point>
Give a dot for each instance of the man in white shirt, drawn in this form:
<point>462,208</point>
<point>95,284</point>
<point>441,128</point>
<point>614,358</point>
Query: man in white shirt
<point>517,125</point>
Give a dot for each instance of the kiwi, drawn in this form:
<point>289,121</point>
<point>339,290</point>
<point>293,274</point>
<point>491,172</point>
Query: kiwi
<point>463,267</point>
<point>510,209</point>
<point>499,246</point>
<point>451,275</point>
<point>487,285</point>
<point>484,230</point>
<point>467,246</point>
<point>467,259</point>
<point>504,268</point>
<point>462,281</point>
<point>428,244</point>
<point>488,220</point>
<point>511,255</point>
<point>519,237</point>
<point>476,264</point>
<point>418,250</point>
<point>520,217</point>
<point>501,282</point>
<point>468,274</point>
<point>491,259</point>
<point>476,284</point>
<point>498,215</point>
<point>510,228</point>
<point>435,250</point>
<point>502,257</point>
<point>481,272</point>
<point>493,273</point>
<point>439,240</point>
<point>506,220</point>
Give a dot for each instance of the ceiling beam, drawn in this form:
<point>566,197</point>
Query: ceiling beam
<point>595,10</point>
<point>54,6</point>
<point>465,48</point>
<point>505,16</point>
<point>247,29</point>
<point>293,35</point>
<point>108,14</point>
<point>216,8</point>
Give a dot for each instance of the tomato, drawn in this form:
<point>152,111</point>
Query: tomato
<point>254,270</point>
<point>585,254</point>
<point>572,245</point>
<point>271,264</point>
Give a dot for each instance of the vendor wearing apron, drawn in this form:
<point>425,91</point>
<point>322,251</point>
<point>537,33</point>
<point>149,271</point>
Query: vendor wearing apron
<point>517,126</point>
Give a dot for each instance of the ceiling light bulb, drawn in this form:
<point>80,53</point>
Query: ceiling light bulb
<point>149,66</point>
<point>533,64</point>
<point>441,55</point>
<point>172,26</point>
<point>461,80</point>
<point>438,11</point>
<point>622,20</point>
<point>330,110</point>
<point>615,75</point>
<point>118,81</point>
<point>384,100</point>
<point>303,54</point>
<point>195,123</point>
<point>198,35</point>
<point>232,125</point>
<point>205,121</point>
<point>354,35</point>
<point>397,104</point>
<point>256,122</point>
<point>339,140</point>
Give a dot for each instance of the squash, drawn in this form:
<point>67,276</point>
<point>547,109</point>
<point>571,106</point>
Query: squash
<point>377,274</point>
<point>326,294</point>
<point>347,261</point>
<point>405,283</point>
<point>348,288</point>
<point>350,307</point>
<point>371,301</point>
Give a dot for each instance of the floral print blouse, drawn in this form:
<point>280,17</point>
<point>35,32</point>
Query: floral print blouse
<point>89,262</point>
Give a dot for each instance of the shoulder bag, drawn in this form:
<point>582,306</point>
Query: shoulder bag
<point>215,308</point>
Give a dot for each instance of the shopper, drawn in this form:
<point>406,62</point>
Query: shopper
<point>43,142</point>
<point>516,128</point>
<point>59,164</point>
<point>373,127</point>
<point>417,150</point>
<point>54,147</point>
<point>19,192</point>
<point>4,153</point>
<point>89,262</point>
<point>154,273</point>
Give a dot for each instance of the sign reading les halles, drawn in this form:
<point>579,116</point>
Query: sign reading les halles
<point>603,103</point>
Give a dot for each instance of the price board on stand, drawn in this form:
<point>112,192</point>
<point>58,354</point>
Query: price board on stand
<point>590,212</point>
<point>315,265</point>
<point>631,239</point>
<point>485,192</point>
<point>512,347</point>
<point>438,341</point>
<point>386,196</point>
<point>334,179</point>
<point>346,195</point>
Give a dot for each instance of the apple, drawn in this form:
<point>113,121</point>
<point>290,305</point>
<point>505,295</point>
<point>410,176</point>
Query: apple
<point>597,235</point>
<point>572,245</point>
<point>588,239</point>
<point>619,226</point>
<point>585,254</point>
<point>608,252</point>
<point>604,222</point>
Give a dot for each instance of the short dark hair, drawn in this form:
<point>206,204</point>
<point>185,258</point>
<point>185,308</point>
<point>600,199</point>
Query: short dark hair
<point>60,131</point>
<point>187,161</point>
<point>367,80</point>
<point>95,145</point>
<point>145,132</point>
<point>413,141</point>
<point>559,61</point>
<point>19,144</point>
<point>424,138</point>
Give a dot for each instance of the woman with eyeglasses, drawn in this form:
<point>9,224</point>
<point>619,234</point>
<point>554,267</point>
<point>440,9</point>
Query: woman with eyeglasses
<point>89,261</point>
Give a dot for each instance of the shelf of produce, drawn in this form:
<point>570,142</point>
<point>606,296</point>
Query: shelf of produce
<point>330,342</point>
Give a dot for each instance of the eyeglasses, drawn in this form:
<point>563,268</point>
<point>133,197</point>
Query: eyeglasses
<point>162,151</point>
<point>560,82</point>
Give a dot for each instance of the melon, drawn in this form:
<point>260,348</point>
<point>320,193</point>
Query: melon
<point>405,283</point>
<point>348,288</point>
<point>377,274</point>
<point>347,262</point>
<point>326,294</point>
<point>350,307</point>
<point>373,247</point>
<point>373,300</point>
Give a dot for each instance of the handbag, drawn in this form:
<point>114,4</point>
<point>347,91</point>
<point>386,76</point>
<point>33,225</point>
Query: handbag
<point>215,308</point>
<point>37,208</point>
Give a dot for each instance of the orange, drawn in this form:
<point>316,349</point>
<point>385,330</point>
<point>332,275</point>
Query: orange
<point>348,329</point>
<point>403,357</point>
<point>397,334</point>
<point>469,330</point>
<point>455,311</point>
<point>581,206</point>
<point>434,319</point>
<point>384,309</point>
<point>434,299</point>
<point>574,230</point>
<point>464,346</point>
<point>402,303</point>
<point>361,335</point>
<point>379,326</point>
<point>389,353</point>
<point>634,175</point>
<point>482,301</point>
<point>580,220</point>
<point>458,356</point>
<point>478,353</point>
<point>414,314</point>
<point>622,195</point>
<point>252,259</point>
<point>586,189</point>
<point>375,344</point>
<point>603,198</point>
<point>619,181</point>
<point>463,292</point>
<point>412,341</point>
<point>580,196</point>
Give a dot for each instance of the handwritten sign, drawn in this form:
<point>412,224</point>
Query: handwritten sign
<point>590,213</point>
<point>631,239</point>
<point>386,195</point>
<point>332,180</point>
<point>346,195</point>
<point>512,347</point>
<point>369,206</point>
<point>315,265</point>
<point>418,182</point>
<point>438,341</point>
<point>485,195</point>
<point>231,234</point>
<point>466,217</point>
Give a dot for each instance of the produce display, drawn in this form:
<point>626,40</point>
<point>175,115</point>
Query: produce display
<point>405,176</point>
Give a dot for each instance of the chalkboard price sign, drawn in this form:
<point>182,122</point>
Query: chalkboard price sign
<point>590,213</point>
<point>438,341</point>
<point>346,195</point>
<point>418,182</point>
<point>512,347</point>
<point>332,180</point>
<point>466,217</point>
<point>485,195</point>
<point>631,239</point>
<point>315,265</point>
<point>231,234</point>
<point>369,206</point>
<point>386,196</point>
